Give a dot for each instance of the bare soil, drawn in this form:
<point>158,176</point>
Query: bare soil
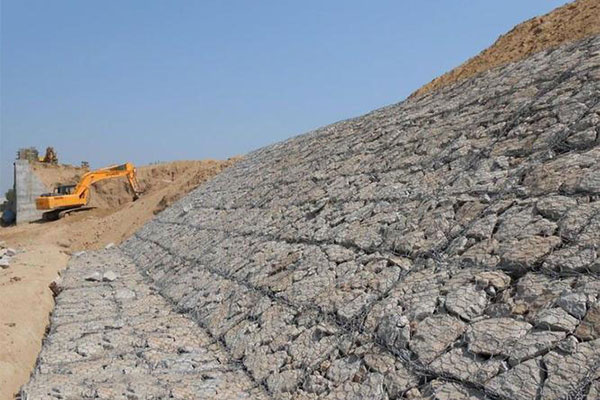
<point>25,303</point>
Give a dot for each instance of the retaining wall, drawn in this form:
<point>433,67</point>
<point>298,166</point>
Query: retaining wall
<point>27,187</point>
<point>444,248</point>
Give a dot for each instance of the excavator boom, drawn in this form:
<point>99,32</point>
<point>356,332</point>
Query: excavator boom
<point>76,196</point>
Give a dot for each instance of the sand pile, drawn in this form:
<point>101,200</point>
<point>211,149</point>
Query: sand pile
<point>116,215</point>
<point>571,22</point>
<point>53,175</point>
<point>171,179</point>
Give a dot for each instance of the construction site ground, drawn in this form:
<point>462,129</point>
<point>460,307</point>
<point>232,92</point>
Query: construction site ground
<point>44,249</point>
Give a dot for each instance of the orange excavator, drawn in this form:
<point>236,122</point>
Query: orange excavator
<point>70,198</point>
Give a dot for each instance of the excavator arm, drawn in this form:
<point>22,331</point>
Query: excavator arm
<point>80,194</point>
<point>116,171</point>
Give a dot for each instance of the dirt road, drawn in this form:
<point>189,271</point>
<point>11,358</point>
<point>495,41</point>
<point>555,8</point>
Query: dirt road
<point>25,303</point>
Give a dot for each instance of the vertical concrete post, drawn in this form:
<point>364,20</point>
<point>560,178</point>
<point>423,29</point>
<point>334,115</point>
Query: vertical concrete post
<point>27,188</point>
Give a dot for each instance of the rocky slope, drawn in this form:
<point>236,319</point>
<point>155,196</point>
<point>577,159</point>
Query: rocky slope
<point>445,247</point>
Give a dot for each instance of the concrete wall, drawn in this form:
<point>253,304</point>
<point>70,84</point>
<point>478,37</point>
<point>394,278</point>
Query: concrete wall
<point>27,188</point>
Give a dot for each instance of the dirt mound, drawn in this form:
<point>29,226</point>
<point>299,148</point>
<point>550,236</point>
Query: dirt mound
<point>52,175</point>
<point>171,180</point>
<point>568,23</point>
<point>116,215</point>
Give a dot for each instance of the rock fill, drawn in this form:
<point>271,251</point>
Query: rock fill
<point>445,247</point>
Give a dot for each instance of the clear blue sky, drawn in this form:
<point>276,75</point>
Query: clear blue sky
<point>109,81</point>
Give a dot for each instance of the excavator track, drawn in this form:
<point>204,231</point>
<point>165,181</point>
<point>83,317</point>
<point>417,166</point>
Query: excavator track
<point>58,214</point>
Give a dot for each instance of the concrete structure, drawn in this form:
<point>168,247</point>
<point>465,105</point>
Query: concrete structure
<point>442,248</point>
<point>27,187</point>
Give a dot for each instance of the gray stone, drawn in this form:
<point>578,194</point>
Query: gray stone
<point>394,331</point>
<point>594,391</point>
<point>467,302</point>
<point>4,262</point>
<point>554,207</point>
<point>343,369</point>
<point>566,372</point>
<point>11,252</point>
<point>589,328</point>
<point>520,383</point>
<point>573,303</point>
<point>502,162</point>
<point>434,334</point>
<point>571,259</point>
<point>94,277</point>
<point>371,388</point>
<point>423,308</point>
<point>582,139</point>
<point>283,382</point>
<point>522,255</point>
<point>465,366</point>
<point>590,182</point>
<point>576,220</point>
<point>556,319</point>
<point>442,390</point>
<point>351,309</point>
<point>569,345</point>
<point>89,351</point>
<point>316,384</point>
<point>532,345</point>
<point>124,294</point>
<point>498,310</point>
<point>493,336</point>
<point>482,229</point>
<point>458,246</point>
<point>400,380</point>
<point>413,394</point>
<point>109,276</point>
<point>535,291</point>
<point>339,253</point>
<point>497,279</point>
<point>380,362</point>
<point>404,263</point>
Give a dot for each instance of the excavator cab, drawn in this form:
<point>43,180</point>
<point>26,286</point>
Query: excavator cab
<point>61,190</point>
<point>64,189</point>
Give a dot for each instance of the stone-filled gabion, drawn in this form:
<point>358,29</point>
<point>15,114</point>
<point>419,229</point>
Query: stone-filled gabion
<point>442,248</point>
